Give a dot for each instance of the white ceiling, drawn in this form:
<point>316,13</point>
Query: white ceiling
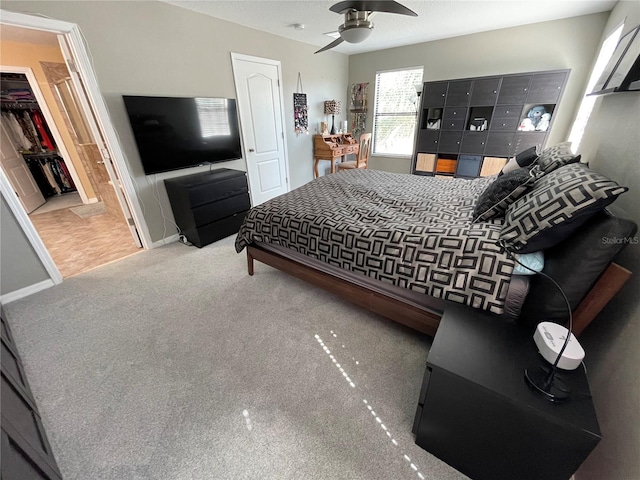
<point>436,19</point>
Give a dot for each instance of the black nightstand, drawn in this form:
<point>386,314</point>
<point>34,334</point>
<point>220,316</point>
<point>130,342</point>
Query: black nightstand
<point>477,414</point>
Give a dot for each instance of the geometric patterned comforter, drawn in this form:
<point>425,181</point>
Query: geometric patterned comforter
<point>407,230</point>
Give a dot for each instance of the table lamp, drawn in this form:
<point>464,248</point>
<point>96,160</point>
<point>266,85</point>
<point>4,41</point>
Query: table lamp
<point>332,107</point>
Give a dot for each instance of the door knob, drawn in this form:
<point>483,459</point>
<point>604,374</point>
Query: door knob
<point>251,150</point>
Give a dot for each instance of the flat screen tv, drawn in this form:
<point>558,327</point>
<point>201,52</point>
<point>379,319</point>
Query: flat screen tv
<point>175,132</point>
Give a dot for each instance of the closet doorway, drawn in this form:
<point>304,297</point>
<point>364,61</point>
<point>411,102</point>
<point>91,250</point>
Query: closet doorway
<point>80,221</point>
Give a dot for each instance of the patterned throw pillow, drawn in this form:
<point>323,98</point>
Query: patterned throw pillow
<point>506,189</point>
<point>523,159</point>
<point>557,156</point>
<point>558,204</point>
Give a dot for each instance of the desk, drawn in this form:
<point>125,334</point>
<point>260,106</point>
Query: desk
<point>330,147</point>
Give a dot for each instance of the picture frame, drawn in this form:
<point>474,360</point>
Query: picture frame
<point>622,72</point>
<point>627,71</point>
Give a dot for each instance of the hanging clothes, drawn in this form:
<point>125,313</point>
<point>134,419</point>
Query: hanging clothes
<point>39,175</point>
<point>51,173</point>
<point>41,128</point>
<point>15,132</point>
<point>48,172</point>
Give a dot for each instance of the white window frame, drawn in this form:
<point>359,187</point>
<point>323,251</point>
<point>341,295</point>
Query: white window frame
<point>376,114</point>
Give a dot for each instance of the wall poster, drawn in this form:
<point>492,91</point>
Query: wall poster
<point>300,115</point>
<point>358,108</point>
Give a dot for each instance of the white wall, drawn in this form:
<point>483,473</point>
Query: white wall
<point>153,48</point>
<point>570,43</point>
<point>20,267</point>
<point>612,342</point>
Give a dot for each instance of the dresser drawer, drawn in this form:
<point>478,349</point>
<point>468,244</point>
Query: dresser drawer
<point>222,208</point>
<point>208,192</point>
<point>217,230</point>
<point>350,149</point>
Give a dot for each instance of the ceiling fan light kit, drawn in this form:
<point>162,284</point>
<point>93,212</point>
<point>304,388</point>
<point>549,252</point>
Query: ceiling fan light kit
<point>356,33</point>
<point>357,25</point>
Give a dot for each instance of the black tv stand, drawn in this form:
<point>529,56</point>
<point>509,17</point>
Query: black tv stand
<point>210,205</point>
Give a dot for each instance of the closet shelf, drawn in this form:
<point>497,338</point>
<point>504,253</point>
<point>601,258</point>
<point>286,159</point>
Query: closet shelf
<point>19,106</point>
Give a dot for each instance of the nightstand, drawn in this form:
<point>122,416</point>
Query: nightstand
<point>476,413</point>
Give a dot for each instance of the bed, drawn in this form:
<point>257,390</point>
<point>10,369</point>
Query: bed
<point>404,245</point>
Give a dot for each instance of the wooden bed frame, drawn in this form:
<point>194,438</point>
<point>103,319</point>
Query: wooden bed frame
<point>420,318</point>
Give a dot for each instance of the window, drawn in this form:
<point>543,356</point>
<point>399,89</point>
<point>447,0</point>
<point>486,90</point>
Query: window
<point>395,111</point>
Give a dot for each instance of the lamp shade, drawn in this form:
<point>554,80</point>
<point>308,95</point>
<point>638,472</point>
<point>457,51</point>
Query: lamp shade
<point>331,107</point>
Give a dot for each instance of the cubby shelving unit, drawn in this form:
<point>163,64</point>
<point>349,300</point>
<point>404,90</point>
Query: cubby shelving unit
<point>471,127</point>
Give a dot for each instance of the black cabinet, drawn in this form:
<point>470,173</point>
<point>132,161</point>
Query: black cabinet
<point>26,453</point>
<point>459,93</point>
<point>476,413</point>
<point>209,206</point>
<point>514,89</point>
<point>485,91</point>
<point>492,115</point>
<point>435,93</point>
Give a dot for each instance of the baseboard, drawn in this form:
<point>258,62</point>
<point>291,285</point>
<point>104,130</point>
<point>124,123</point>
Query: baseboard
<point>166,241</point>
<point>26,291</point>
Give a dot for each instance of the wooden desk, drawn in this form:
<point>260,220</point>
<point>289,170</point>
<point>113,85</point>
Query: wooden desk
<point>330,147</point>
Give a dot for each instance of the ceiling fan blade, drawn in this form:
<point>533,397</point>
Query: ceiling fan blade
<point>335,43</point>
<point>372,6</point>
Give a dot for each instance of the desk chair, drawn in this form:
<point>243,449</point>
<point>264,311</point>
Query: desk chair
<point>363,154</point>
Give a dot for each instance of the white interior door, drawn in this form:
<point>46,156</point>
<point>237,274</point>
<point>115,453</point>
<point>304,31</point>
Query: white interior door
<point>19,174</point>
<point>261,116</point>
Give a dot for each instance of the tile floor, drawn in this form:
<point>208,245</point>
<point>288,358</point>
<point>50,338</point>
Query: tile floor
<point>80,244</point>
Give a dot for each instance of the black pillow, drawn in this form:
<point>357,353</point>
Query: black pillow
<point>523,159</point>
<point>501,193</point>
<point>575,264</point>
<point>556,206</point>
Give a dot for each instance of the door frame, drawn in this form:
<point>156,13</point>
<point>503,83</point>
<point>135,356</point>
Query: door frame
<point>250,58</point>
<point>72,34</point>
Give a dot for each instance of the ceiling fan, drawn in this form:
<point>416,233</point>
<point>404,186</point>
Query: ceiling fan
<point>357,24</point>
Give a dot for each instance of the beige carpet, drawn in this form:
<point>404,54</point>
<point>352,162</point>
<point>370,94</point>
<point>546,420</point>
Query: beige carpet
<point>174,364</point>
